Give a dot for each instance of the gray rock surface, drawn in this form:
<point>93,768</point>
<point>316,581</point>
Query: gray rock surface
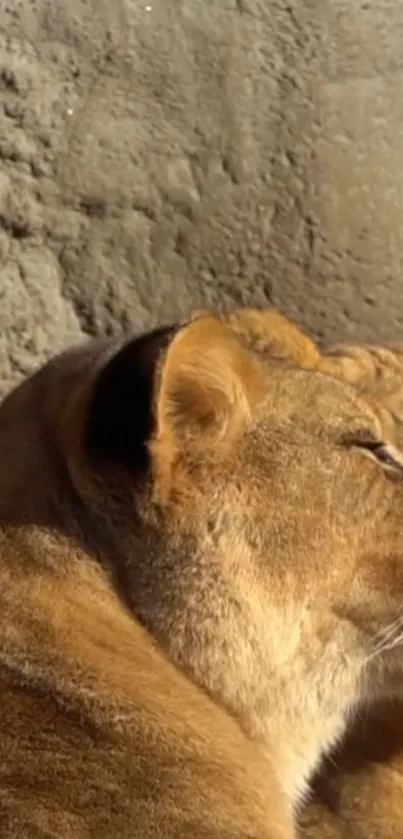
<point>157,155</point>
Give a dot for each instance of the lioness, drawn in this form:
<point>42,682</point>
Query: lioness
<point>359,792</point>
<point>200,581</point>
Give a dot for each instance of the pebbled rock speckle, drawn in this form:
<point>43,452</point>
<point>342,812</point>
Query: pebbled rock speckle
<point>197,153</point>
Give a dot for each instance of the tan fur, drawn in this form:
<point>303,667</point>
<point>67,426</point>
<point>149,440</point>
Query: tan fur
<point>190,601</point>
<point>359,792</point>
<point>100,734</point>
<point>359,795</point>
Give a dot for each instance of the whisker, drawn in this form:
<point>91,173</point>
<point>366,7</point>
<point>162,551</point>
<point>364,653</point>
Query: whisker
<point>387,638</point>
<point>385,645</point>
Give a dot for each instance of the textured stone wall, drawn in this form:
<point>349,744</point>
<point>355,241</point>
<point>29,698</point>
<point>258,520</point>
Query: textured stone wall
<point>157,155</point>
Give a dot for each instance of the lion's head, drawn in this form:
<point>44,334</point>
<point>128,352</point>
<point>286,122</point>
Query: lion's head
<point>248,504</point>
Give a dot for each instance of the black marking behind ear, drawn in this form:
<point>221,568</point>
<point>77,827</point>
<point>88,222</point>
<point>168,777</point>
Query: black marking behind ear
<point>121,416</point>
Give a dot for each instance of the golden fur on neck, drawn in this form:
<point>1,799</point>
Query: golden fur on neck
<point>199,553</point>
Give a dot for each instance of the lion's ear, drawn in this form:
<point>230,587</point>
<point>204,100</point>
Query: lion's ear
<point>121,410</point>
<point>172,391</point>
<point>207,387</point>
<point>271,334</point>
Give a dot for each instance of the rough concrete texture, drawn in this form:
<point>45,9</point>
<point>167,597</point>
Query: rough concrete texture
<point>157,155</point>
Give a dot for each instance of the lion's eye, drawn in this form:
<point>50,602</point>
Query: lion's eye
<point>386,454</point>
<point>382,453</point>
